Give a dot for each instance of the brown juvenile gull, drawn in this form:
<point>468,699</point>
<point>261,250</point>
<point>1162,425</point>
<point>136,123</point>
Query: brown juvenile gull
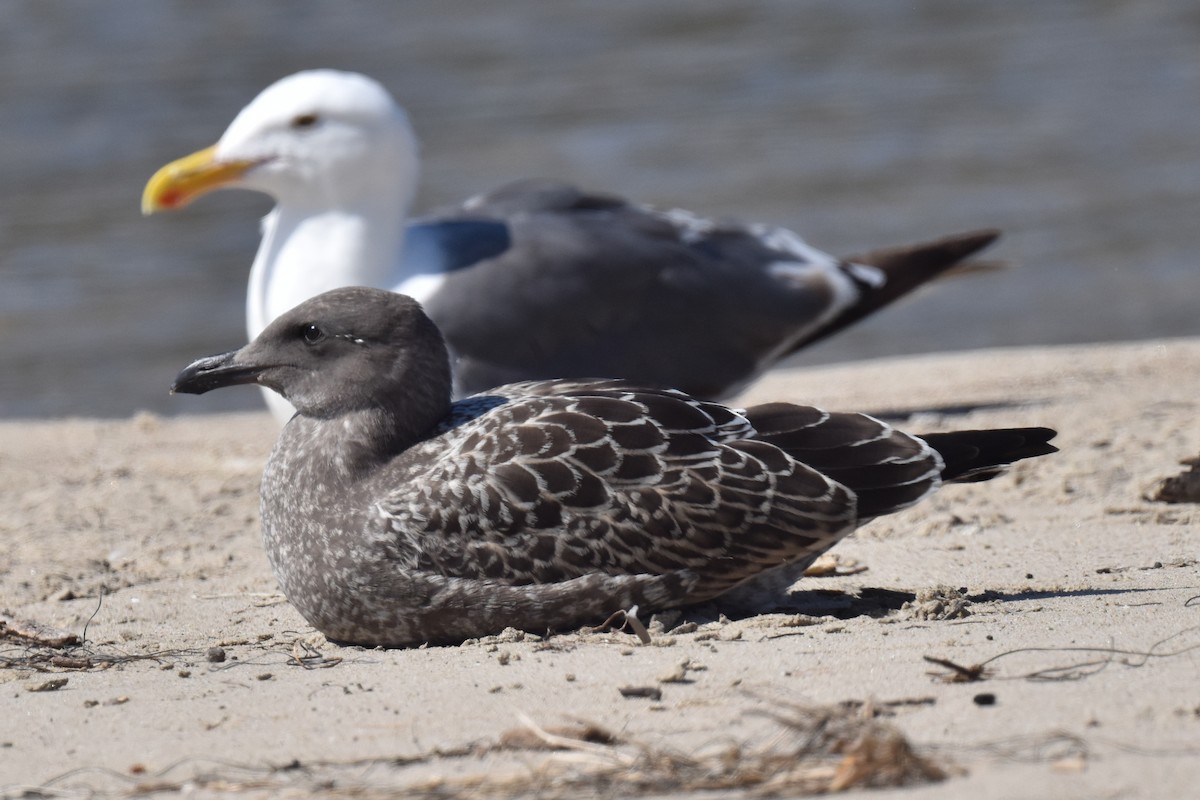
<point>393,516</point>
<point>538,279</point>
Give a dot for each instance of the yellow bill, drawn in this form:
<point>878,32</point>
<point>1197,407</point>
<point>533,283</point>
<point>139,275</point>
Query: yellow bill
<point>183,180</point>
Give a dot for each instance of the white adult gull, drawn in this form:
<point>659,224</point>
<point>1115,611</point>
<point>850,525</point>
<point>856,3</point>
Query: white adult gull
<point>538,279</point>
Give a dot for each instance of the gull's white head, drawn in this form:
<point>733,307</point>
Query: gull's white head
<point>318,139</point>
<point>323,135</point>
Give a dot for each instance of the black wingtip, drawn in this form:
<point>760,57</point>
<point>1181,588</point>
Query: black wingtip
<point>906,268</point>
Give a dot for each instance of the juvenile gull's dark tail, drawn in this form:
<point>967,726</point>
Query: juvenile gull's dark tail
<point>981,455</point>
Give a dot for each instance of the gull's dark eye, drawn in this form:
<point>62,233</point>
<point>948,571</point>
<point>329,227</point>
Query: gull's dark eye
<point>311,333</point>
<point>305,121</point>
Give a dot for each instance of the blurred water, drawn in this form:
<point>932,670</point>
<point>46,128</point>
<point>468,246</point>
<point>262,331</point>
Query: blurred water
<point>1074,126</point>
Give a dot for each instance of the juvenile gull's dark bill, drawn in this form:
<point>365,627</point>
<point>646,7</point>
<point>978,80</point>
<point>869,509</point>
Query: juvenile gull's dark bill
<point>538,279</point>
<point>392,516</point>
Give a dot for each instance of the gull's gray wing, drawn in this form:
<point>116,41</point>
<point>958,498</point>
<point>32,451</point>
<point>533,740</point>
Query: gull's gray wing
<point>543,280</point>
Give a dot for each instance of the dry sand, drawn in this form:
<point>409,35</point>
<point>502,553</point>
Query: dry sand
<point>1065,560</point>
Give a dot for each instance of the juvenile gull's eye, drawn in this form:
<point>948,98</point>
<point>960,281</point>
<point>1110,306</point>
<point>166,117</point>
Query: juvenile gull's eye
<point>305,120</point>
<point>311,333</point>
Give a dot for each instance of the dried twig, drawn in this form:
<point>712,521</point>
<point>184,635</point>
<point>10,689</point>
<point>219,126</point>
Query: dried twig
<point>1067,672</point>
<point>819,750</point>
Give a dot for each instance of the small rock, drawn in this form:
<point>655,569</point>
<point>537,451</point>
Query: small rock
<point>938,603</point>
<point>52,685</point>
<point>215,655</point>
<point>679,673</point>
<point>648,692</point>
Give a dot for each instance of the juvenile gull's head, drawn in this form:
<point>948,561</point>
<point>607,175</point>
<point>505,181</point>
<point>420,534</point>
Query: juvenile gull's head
<point>347,350</point>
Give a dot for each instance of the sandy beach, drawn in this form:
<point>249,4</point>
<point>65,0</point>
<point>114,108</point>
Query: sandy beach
<point>1061,602</point>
